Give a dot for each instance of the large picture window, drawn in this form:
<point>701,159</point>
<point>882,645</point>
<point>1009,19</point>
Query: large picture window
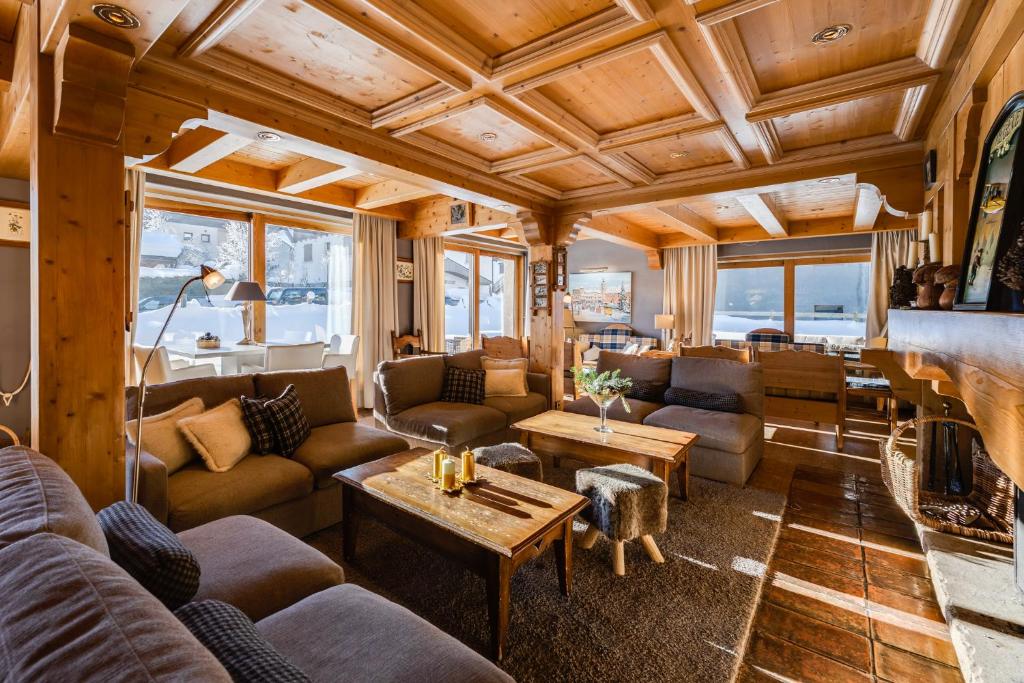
<point>747,299</point>
<point>831,302</point>
<point>481,297</point>
<point>170,255</point>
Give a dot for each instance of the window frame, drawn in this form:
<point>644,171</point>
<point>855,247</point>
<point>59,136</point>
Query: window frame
<point>475,297</point>
<point>789,262</point>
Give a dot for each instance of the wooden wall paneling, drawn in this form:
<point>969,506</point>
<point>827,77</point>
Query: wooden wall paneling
<point>311,173</point>
<point>761,207</point>
<point>197,148</point>
<point>78,263</point>
<point>222,21</point>
<point>258,272</point>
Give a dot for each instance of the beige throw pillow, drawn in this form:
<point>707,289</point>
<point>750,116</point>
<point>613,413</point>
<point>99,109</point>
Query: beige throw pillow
<point>505,377</point>
<point>219,435</point>
<point>161,438</point>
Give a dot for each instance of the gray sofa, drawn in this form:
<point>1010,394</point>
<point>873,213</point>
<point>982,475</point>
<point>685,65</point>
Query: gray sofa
<point>71,614</point>
<point>731,444</point>
<point>297,494</point>
<point>408,402</point>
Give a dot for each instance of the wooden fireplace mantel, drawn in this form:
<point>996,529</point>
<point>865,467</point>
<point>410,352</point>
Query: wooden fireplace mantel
<point>978,358</point>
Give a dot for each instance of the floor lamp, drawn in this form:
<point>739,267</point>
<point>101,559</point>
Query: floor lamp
<point>211,279</point>
<point>665,322</point>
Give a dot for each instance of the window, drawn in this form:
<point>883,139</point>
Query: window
<point>482,296</point>
<point>831,302</point>
<point>459,277</point>
<point>169,258</point>
<point>748,298</point>
<point>497,295</point>
<point>205,237</point>
<point>308,299</point>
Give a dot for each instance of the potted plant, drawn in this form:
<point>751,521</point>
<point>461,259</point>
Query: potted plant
<point>604,389</point>
<point>1011,270</point>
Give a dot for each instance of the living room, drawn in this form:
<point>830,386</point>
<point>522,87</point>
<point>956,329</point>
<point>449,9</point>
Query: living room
<point>607,340</point>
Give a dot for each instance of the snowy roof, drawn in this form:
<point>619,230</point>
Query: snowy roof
<point>160,244</point>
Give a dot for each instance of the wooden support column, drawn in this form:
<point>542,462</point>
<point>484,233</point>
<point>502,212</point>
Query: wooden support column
<point>78,256</point>
<point>258,272</point>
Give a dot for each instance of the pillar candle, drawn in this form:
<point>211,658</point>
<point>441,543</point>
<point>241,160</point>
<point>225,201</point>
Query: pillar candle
<point>468,466</point>
<point>934,255</point>
<point>924,222</point>
<point>439,456</point>
<point>448,474</point>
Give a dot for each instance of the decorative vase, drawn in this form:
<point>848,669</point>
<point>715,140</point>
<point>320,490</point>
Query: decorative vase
<point>603,401</point>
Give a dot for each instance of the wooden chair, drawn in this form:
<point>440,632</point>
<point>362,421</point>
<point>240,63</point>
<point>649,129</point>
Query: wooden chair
<point>505,347</point>
<point>413,341</point>
<point>720,352</point>
<point>572,358</point>
<point>803,385</point>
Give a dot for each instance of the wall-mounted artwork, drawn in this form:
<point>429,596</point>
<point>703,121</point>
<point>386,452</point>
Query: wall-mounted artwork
<point>460,214</point>
<point>602,297</point>
<point>404,269</point>
<point>14,222</point>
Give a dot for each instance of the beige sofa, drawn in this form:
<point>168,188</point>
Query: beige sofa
<point>731,444</point>
<point>297,494</point>
<point>71,614</point>
<point>408,402</point>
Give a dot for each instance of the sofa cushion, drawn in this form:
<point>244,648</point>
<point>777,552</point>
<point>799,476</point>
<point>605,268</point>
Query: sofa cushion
<point>638,409</point>
<point>463,386</point>
<point>646,390</point>
<point>730,432</point>
<point>219,435</point>
<point>255,566</point>
<point>371,639</point>
<point>150,552</point>
<point>212,390</point>
<point>196,495</point>
<point>411,382</point>
<point>258,422</point>
<point>722,376</point>
<point>505,377</point>
<point>332,448</point>
<point>70,614</point>
<point>37,496</point>
<point>470,360</point>
<point>518,407</point>
<point>655,370</point>
<point>233,639</point>
<point>452,424</point>
<point>325,395</point>
<point>162,438</point>
<point>288,420</point>
<point>728,402</point>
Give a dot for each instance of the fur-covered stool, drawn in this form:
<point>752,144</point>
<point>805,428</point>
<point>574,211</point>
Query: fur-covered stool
<point>626,502</point>
<point>512,458</point>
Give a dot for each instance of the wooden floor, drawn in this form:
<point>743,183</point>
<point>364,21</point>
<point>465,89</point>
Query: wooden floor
<point>847,596</point>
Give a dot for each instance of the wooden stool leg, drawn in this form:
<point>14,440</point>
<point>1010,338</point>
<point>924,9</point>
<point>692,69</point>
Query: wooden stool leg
<point>618,558</point>
<point>652,548</point>
<point>589,538</point>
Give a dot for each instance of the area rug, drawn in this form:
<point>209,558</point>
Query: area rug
<point>684,620</point>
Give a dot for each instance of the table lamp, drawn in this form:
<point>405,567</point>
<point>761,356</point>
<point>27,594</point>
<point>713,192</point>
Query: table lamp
<point>665,322</point>
<point>247,292</point>
<point>211,279</point>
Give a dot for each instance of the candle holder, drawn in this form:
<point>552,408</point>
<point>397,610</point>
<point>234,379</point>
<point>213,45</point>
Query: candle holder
<point>468,473</point>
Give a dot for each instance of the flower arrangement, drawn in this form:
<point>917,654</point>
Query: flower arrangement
<point>604,388</point>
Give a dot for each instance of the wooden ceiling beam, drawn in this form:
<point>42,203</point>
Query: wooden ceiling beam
<point>156,17</point>
<point>577,131</point>
<point>310,173</point>
<point>797,229</point>
<point>434,95</point>
<point>687,222</point>
<point>15,103</point>
<point>222,21</point>
<point>386,193</point>
<point>869,204</point>
<point>432,218</point>
<point>639,10</point>
<point>195,149</point>
<point>611,228</point>
<point>674,128</point>
<point>762,208</point>
<point>711,12</point>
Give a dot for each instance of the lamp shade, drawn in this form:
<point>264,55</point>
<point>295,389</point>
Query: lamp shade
<point>212,278</point>
<point>664,321</point>
<point>245,291</point>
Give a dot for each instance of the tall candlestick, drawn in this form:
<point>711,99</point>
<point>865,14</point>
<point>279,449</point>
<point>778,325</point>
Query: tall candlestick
<point>439,456</point>
<point>468,466</point>
<point>448,474</point>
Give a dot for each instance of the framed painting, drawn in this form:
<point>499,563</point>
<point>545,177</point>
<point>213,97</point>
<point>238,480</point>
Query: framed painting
<point>14,223</point>
<point>460,214</point>
<point>996,211</point>
<point>403,269</point>
<point>602,297</point>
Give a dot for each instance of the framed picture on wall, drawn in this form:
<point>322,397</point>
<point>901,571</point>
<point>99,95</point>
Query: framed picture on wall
<point>602,297</point>
<point>540,285</point>
<point>460,214</point>
<point>561,269</point>
<point>996,211</point>
<point>14,222</point>
<point>403,269</point>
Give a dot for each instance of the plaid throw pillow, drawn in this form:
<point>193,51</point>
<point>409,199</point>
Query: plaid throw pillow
<point>232,638</point>
<point>647,390</point>
<point>150,553</point>
<point>463,386</point>
<point>258,422</point>
<point>691,398</point>
<point>287,420</point>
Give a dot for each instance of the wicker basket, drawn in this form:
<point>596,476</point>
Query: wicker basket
<point>981,514</point>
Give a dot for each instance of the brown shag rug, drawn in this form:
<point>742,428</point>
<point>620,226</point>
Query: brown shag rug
<point>685,620</point>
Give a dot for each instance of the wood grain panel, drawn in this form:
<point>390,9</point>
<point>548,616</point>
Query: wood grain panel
<point>840,122</point>
<point>294,39</point>
<point>573,175</point>
<point>777,38</point>
<point>266,155</point>
<point>662,156</point>
<point>464,132</point>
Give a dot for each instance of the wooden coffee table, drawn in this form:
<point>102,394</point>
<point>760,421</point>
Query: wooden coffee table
<point>491,528</point>
<point>657,449</point>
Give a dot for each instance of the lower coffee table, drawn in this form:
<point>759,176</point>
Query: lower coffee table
<point>491,528</point>
<point>572,435</point>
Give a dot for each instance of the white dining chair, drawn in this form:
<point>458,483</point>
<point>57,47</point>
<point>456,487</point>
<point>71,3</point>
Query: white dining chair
<point>290,357</point>
<point>343,353</point>
<point>163,369</point>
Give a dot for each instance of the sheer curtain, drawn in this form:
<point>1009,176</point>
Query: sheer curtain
<point>889,250</point>
<point>376,297</point>
<point>428,291</point>
<point>691,274</point>
<point>339,290</point>
<point>135,204</point>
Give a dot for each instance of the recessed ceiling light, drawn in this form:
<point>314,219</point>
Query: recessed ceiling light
<point>679,155</point>
<point>504,207</point>
<point>829,181</point>
<point>115,15</point>
<point>830,34</point>
<point>722,208</point>
<point>268,136</point>
<point>488,136</point>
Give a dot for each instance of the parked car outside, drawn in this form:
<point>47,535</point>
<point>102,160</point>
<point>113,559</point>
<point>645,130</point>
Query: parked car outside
<point>289,296</point>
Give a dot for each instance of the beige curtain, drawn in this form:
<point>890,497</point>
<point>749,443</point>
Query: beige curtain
<point>135,189</point>
<point>428,291</point>
<point>376,297</point>
<point>691,274</point>
<point>889,250</point>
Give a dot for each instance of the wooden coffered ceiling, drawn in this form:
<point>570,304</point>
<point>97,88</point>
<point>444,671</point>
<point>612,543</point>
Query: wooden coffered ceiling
<point>665,121</point>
